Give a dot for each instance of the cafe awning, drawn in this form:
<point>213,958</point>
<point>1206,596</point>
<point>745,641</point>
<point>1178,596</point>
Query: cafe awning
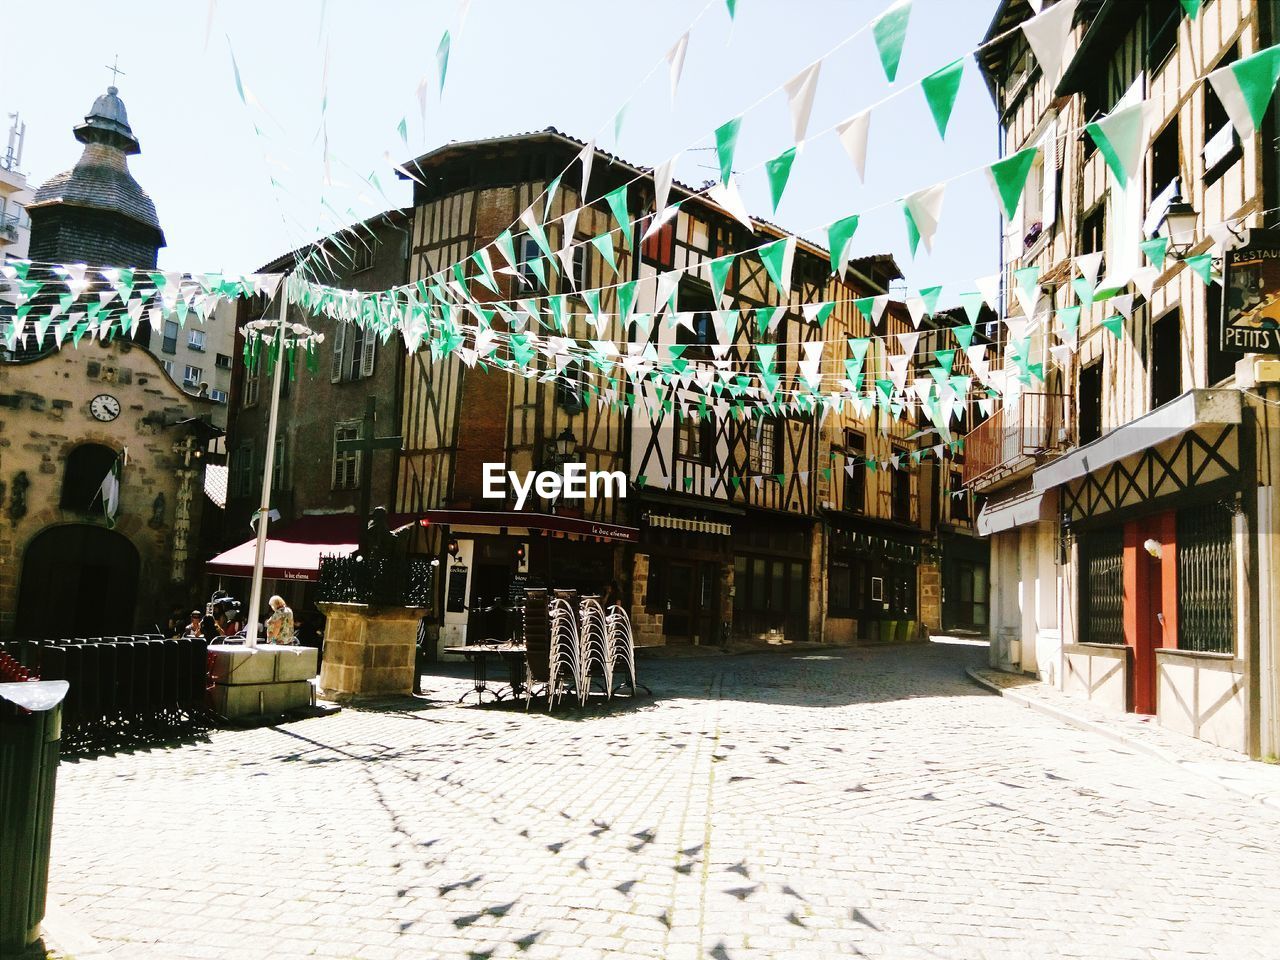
<point>534,522</point>
<point>691,525</point>
<point>1019,511</point>
<point>294,549</point>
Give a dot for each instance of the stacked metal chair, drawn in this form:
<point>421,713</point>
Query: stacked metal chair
<point>620,645</point>
<point>566,649</point>
<point>594,655</point>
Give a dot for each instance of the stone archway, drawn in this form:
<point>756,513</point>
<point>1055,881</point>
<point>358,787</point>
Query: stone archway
<point>78,580</point>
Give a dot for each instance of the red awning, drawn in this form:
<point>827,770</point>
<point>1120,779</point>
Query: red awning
<point>533,521</point>
<point>294,549</point>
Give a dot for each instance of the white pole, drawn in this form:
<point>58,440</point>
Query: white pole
<point>260,552</point>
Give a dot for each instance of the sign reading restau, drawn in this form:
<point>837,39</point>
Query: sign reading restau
<point>1251,313</point>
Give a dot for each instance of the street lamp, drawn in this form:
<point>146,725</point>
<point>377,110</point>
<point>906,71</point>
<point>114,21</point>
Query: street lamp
<point>1178,226</point>
<point>564,446</point>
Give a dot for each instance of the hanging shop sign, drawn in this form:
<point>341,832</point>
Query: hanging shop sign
<point>1251,312</point>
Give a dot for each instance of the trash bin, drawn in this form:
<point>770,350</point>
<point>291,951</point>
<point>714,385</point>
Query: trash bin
<point>30,728</point>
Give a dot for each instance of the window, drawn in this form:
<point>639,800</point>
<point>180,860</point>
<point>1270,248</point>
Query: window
<point>693,441</point>
<point>580,275</point>
<point>1093,238</point>
<point>195,339</point>
<point>1102,586</point>
<point>251,381</point>
<point>242,481</point>
<point>1221,364</point>
<point>901,486</point>
<point>569,390</point>
<point>353,353</point>
<point>695,297</point>
<point>1221,142</point>
<point>88,465</point>
<point>169,344</point>
<point>222,361</point>
<point>1166,359</point>
<point>280,469</point>
<point>764,446</point>
<point>168,368</point>
<point>191,376</point>
<point>1163,17</point>
<point>361,257</point>
<point>1090,418</point>
<point>659,249</point>
<point>346,464</point>
<point>1165,168</point>
<point>1206,579</point>
<point>218,396</point>
<point>855,472</point>
<point>529,252</point>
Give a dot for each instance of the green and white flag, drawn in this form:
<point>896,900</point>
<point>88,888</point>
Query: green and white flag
<point>109,490</point>
<point>1245,88</point>
<point>726,144</point>
<point>1121,138</point>
<point>890,31</point>
<point>940,89</point>
<point>1008,179</point>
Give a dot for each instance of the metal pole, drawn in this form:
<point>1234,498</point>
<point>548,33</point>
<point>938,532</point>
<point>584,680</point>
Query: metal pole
<point>260,551</point>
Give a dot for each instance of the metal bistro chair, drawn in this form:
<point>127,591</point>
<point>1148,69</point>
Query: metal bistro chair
<point>621,644</point>
<point>595,647</point>
<point>566,649</point>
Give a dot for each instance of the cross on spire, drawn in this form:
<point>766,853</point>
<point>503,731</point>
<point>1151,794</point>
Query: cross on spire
<point>115,69</point>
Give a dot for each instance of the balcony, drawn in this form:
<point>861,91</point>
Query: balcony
<point>1016,436</point>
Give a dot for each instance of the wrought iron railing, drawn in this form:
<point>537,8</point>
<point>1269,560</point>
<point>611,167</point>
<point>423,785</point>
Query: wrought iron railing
<point>389,580</point>
<point>1036,424</point>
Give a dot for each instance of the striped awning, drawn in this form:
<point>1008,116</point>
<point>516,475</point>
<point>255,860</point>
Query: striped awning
<point>691,526</point>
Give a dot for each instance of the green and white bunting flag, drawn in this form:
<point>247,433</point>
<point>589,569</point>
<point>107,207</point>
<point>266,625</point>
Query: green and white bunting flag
<point>778,258</point>
<point>890,32</point>
<point>1008,178</point>
<point>778,171</point>
<point>940,89</point>
<point>1121,138</point>
<point>840,241</point>
<point>726,144</point>
<point>1246,87</point>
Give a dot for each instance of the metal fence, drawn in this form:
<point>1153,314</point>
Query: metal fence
<point>1102,597</point>
<point>388,580</point>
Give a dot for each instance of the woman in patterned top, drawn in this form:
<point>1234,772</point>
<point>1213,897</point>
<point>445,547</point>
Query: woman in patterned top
<point>280,623</point>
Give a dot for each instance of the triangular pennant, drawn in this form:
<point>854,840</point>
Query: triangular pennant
<point>1245,88</point>
<point>727,196</point>
<point>853,137</point>
<point>839,241</point>
<point>1202,266</point>
<point>1089,264</point>
<point>1192,7</point>
<point>675,61</point>
<point>890,31</point>
<point>1156,249</point>
<point>872,308</point>
<point>922,210</point>
<point>617,201</point>
<point>604,245</point>
<point>726,144</point>
<point>777,258</point>
<point>800,90</point>
<point>779,171</point>
<point>1116,325</point>
<point>1008,178</point>
<point>964,335</point>
<point>720,268</point>
<point>940,89</point>
<point>1121,138</point>
<point>971,302</point>
<point>1048,34</point>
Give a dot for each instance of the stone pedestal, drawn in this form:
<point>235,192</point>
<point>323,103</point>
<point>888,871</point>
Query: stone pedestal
<point>262,680</point>
<point>368,650</point>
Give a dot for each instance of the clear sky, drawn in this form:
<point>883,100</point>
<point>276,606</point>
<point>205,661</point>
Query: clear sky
<point>517,65</point>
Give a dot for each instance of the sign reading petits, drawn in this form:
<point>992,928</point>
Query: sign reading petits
<point>575,483</point>
<point>1251,313</point>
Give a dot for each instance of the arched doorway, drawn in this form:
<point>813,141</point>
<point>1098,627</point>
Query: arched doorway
<point>78,580</point>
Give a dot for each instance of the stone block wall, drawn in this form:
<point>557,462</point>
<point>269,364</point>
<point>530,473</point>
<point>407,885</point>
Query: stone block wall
<point>368,651</point>
<point>646,627</point>
<point>929,600</point>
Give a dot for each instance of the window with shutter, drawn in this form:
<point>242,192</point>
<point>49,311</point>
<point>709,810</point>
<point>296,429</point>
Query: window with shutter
<point>1049,180</point>
<point>339,343</point>
<point>366,358</point>
<point>346,464</point>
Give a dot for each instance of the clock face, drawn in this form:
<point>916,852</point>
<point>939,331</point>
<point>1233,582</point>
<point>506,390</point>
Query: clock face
<point>104,407</point>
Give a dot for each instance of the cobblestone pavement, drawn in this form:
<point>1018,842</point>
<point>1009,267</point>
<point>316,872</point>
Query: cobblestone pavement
<point>807,805</point>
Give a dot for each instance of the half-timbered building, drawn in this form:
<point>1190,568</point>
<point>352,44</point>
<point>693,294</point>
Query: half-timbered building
<point>1129,493</point>
<point>724,530</point>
